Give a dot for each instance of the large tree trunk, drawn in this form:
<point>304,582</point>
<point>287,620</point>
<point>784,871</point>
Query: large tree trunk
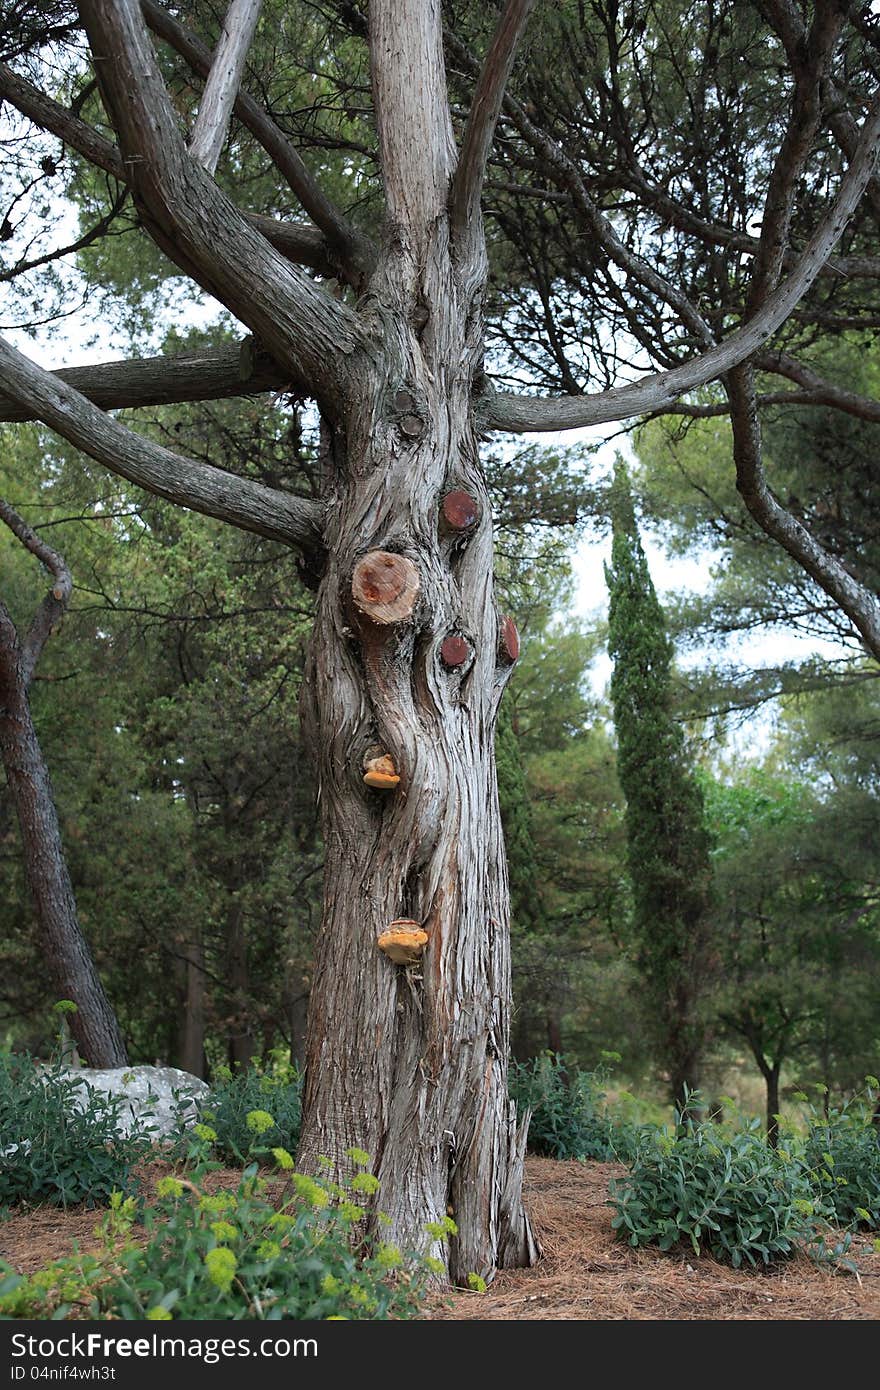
<point>65,951</point>
<point>408,661</point>
<point>410,1062</point>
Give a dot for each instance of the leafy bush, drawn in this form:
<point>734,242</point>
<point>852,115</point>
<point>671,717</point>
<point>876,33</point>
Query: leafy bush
<point>237,1095</point>
<point>231,1255</point>
<point>568,1115</point>
<point>59,1139</point>
<point>727,1193</point>
<point>842,1151</point>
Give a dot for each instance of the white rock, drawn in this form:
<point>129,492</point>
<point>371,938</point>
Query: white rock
<point>154,1099</point>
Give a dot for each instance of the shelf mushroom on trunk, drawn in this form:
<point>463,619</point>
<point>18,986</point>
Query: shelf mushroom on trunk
<point>403,941</point>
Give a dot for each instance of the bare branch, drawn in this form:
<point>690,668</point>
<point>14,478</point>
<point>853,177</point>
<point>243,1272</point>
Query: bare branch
<point>809,65</point>
<point>196,224</point>
<point>821,392</point>
<point>297,241</point>
<point>224,80</point>
<point>569,176</point>
<point>526,413</point>
<point>788,22</point>
<point>240,369</point>
<point>479,133</point>
<point>95,232</point>
<point>706,411</point>
<point>855,599</point>
<point>54,604</point>
<point>249,505</point>
<point>347,248</point>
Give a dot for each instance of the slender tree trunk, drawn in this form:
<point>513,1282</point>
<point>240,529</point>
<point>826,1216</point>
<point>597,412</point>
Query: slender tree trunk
<point>66,954</point>
<point>296,1009</point>
<point>771,1079</point>
<point>241,1041</point>
<point>191,1045</point>
<point>554,1030</point>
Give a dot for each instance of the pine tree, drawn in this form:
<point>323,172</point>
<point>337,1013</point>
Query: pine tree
<point>667,841</point>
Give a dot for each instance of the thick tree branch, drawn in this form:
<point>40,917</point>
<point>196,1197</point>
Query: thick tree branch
<point>809,66</point>
<point>240,369</point>
<point>348,249</point>
<point>856,601</point>
<point>412,114</point>
<point>480,130</point>
<point>54,604</point>
<point>196,224</point>
<point>224,80</point>
<point>692,411</point>
<point>299,242</point>
<point>57,120</point>
<point>249,505</point>
<point>788,22</point>
<point>525,413</point>
<point>821,392</point>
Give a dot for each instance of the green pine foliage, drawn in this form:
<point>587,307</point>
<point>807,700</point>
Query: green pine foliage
<point>667,842</point>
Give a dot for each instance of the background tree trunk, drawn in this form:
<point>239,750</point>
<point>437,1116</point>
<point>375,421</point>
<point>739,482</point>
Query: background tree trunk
<point>191,1044</point>
<point>68,959</point>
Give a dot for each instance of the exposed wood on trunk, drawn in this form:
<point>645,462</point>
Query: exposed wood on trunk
<point>224,79</point>
<point>455,651</point>
<point>459,511</point>
<point>508,641</point>
<point>385,587</point>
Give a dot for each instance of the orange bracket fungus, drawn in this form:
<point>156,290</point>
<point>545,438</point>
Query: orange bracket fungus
<point>508,641</point>
<point>455,651</point>
<point>385,587</point>
<point>403,942</point>
<point>380,772</point>
<point>459,511</point>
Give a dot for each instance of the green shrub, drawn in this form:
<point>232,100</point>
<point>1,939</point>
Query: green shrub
<point>842,1151</point>
<point>236,1095</point>
<point>729,1194</point>
<point>59,1139</point>
<point>230,1255</point>
<point>568,1115</point>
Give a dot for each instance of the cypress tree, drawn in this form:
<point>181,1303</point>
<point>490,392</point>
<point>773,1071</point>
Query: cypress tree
<point>667,841</point>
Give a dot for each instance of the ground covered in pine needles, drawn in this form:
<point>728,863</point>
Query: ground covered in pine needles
<point>585,1274</point>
